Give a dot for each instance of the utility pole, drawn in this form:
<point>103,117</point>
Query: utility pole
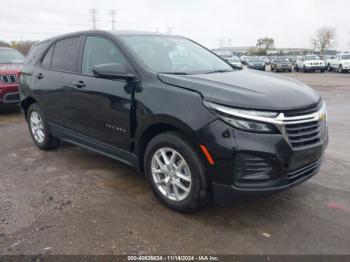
<point>93,13</point>
<point>113,21</point>
<point>169,30</point>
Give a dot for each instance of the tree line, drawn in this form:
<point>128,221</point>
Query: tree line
<point>325,38</point>
<point>21,46</point>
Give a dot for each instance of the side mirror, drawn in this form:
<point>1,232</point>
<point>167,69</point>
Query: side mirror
<point>113,71</point>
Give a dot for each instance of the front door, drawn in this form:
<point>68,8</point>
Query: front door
<point>101,107</point>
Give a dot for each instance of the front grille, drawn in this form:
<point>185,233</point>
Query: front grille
<point>303,111</point>
<point>8,79</point>
<point>304,134</point>
<point>303,171</point>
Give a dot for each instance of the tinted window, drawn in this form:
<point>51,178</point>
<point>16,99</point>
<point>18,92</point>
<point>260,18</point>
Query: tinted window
<point>99,50</point>
<point>34,52</point>
<point>47,58</point>
<point>65,54</point>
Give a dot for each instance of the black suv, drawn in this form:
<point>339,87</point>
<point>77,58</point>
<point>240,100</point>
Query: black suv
<point>177,112</point>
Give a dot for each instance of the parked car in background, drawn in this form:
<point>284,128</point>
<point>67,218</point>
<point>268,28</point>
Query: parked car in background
<point>197,128</point>
<point>11,62</point>
<point>327,59</point>
<point>340,62</point>
<point>256,63</point>
<point>244,59</point>
<point>282,64</point>
<point>235,62</point>
<point>310,63</point>
<point>266,60</point>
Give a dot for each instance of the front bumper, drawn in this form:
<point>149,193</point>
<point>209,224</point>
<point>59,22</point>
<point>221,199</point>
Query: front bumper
<point>9,94</point>
<point>284,67</point>
<point>315,67</point>
<point>250,165</point>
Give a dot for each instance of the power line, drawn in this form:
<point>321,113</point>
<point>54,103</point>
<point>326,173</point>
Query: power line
<point>93,13</point>
<point>113,21</point>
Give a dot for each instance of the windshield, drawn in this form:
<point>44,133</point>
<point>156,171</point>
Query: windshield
<point>174,55</point>
<point>8,56</point>
<point>345,57</point>
<point>311,57</point>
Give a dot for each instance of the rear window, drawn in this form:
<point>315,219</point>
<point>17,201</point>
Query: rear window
<point>65,54</point>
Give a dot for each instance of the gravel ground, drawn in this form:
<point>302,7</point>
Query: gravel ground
<point>73,201</point>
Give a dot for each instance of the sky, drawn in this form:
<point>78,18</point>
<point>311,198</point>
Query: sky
<point>292,23</point>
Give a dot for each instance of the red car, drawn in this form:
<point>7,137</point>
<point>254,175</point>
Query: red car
<point>11,62</point>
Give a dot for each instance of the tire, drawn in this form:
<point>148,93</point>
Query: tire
<point>322,70</point>
<point>340,69</point>
<point>296,68</point>
<point>304,69</point>
<point>198,187</point>
<point>42,137</point>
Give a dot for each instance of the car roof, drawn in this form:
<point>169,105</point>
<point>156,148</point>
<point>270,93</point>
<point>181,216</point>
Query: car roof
<point>105,32</point>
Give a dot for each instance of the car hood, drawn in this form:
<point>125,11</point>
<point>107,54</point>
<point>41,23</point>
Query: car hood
<point>247,89</point>
<point>10,68</point>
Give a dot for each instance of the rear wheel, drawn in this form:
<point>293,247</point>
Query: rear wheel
<point>176,172</point>
<point>39,128</point>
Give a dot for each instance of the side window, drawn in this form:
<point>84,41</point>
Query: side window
<point>65,54</point>
<point>99,50</point>
<point>48,56</point>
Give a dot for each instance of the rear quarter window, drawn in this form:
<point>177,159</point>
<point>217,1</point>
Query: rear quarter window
<point>34,52</point>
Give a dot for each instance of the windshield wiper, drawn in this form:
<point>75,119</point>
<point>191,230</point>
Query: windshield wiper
<point>219,71</point>
<point>174,73</point>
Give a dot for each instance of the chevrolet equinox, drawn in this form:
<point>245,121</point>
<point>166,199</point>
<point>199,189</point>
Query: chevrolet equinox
<point>198,129</point>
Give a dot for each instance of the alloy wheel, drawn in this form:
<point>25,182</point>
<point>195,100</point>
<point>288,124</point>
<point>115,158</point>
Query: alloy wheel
<point>37,127</point>
<point>171,174</point>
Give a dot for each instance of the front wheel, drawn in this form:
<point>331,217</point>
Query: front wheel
<point>39,128</point>
<point>176,172</point>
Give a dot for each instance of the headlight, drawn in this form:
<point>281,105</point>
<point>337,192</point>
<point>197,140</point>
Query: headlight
<point>323,113</point>
<point>243,119</point>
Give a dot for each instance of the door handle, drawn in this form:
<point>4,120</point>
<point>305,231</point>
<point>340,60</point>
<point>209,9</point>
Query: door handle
<point>39,76</point>
<point>79,84</point>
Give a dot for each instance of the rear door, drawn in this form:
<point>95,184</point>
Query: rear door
<point>53,80</point>
<point>102,106</point>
